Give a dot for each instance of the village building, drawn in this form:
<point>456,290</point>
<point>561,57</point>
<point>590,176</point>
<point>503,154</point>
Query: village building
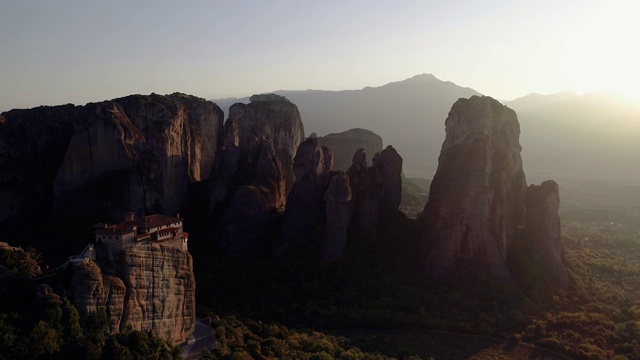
<point>112,239</point>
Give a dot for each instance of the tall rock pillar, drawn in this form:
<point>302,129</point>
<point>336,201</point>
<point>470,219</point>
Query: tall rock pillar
<point>476,201</point>
<point>542,242</point>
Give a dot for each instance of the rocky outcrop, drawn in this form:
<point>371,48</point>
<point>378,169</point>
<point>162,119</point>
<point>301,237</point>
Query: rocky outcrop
<point>344,144</point>
<point>246,221</point>
<point>305,204</point>
<point>143,150</point>
<point>93,290</point>
<point>476,201</point>
<point>33,144</point>
<point>377,188</point>
<point>273,117</point>
<point>337,199</point>
<point>137,152</point>
<point>251,184</point>
<point>362,203</point>
<point>388,167</point>
<point>542,242</point>
<point>150,287</point>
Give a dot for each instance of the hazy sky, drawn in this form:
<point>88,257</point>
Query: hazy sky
<point>56,52</point>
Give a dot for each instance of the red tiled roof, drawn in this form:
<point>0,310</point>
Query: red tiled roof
<point>168,230</point>
<point>156,220</point>
<point>146,223</point>
<point>120,229</point>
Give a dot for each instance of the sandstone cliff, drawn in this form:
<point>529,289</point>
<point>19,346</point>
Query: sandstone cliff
<point>150,286</point>
<point>142,150</point>
<point>343,145</point>
<point>388,167</point>
<point>542,245</point>
<point>274,117</point>
<point>476,201</point>
<point>305,207</point>
<point>376,189</point>
<point>137,152</point>
<point>336,201</point>
<point>251,184</point>
<point>33,144</point>
<point>479,202</point>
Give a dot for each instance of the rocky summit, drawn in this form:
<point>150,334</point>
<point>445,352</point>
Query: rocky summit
<point>305,207</point>
<point>343,145</point>
<point>541,237</point>
<point>250,184</point>
<point>376,189</point>
<point>476,201</point>
<point>135,153</point>
<point>141,273</point>
<point>274,117</point>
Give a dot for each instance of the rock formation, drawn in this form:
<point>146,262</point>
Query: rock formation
<point>305,204</point>
<point>479,202</point>
<point>145,285</point>
<point>388,167</point>
<point>476,201</point>
<point>33,144</point>
<point>337,200</point>
<point>150,147</point>
<point>344,144</point>
<point>377,188</point>
<point>542,242</point>
<point>134,153</point>
<point>250,185</point>
<point>246,222</point>
<point>254,164</point>
<point>274,117</point>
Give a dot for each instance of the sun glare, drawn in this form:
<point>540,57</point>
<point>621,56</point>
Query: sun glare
<point>601,52</point>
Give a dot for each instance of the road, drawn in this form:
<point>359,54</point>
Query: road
<point>204,339</point>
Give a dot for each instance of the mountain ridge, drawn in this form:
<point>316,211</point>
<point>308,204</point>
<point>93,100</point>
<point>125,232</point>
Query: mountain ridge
<point>589,135</point>
<point>422,99</point>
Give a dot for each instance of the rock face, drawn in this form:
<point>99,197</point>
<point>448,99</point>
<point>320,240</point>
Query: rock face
<point>257,165</point>
<point>150,286</point>
<point>542,233</point>
<point>305,204</point>
<point>377,188</point>
<point>388,167</point>
<point>337,199</point>
<point>33,144</point>
<point>344,144</point>
<point>246,221</point>
<point>150,147</point>
<point>256,172</point>
<point>92,289</point>
<point>134,153</point>
<point>476,201</point>
<point>274,117</point>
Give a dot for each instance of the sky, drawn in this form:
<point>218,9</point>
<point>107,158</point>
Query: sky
<point>57,52</point>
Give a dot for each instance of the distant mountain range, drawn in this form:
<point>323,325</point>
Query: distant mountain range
<point>563,134</point>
